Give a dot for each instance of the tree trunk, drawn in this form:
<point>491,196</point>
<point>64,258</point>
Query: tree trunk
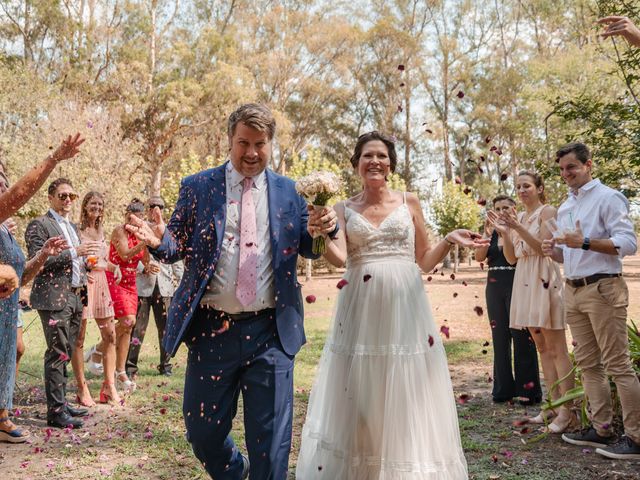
<point>308,269</point>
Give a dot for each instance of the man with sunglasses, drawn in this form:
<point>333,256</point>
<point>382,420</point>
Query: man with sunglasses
<point>156,286</point>
<point>58,294</point>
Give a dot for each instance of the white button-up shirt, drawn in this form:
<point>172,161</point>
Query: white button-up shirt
<point>221,291</point>
<point>72,239</point>
<point>603,213</point>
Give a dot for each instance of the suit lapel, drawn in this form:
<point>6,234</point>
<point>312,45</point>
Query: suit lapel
<point>274,192</point>
<point>54,225</point>
<point>218,198</point>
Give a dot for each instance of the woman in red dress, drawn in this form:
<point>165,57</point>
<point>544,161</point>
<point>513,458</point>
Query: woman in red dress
<point>125,251</point>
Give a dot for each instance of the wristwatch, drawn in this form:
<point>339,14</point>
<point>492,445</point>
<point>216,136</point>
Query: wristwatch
<point>586,243</point>
<point>333,234</point>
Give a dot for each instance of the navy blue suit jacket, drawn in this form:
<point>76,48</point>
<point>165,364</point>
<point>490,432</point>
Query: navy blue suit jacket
<point>195,234</point>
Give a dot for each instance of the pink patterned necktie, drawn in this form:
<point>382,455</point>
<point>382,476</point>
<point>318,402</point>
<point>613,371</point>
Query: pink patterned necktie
<point>248,265</point>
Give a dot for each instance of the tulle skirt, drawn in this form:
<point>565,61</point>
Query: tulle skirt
<point>382,405</point>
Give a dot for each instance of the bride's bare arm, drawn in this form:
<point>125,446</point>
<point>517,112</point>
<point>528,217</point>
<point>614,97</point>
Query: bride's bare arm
<point>427,255</point>
<point>336,253</point>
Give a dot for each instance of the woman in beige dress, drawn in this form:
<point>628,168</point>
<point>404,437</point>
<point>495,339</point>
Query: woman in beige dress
<point>537,290</point>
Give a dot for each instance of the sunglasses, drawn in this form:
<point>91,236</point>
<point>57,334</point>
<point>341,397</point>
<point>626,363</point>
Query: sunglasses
<point>155,205</point>
<point>71,196</point>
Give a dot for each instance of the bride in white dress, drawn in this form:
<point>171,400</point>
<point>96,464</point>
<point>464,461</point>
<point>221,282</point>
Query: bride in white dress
<point>382,405</point>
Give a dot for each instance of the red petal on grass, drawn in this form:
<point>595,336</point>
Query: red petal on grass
<point>310,298</point>
<point>519,423</point>
<point>163,411</point>
<point>401,67</point>
<point>478,309</point>
<point>460,94</point>
<point>463,398</point>
<point>444,330</point>
<point>341,284</point>
<point>494,458</point>
<point>431,340</point>
<point>529,385</point>
<point>366,278</point>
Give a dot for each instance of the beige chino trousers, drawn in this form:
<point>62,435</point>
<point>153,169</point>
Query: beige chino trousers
<point>597,316</point>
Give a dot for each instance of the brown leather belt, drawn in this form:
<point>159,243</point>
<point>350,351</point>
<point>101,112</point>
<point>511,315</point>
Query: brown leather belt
<point>583,282</point>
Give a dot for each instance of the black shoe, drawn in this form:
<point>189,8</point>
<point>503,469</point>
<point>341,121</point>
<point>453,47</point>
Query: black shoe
<point>166,372</point>
<point>501,400</point>
<point>588,437</point>
<point>625,449</point>
<point>63,420</point>
<point>76,412</point>
<point>245,468</point>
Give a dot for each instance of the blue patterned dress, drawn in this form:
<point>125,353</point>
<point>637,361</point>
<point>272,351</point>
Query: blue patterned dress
<point>10,254</point>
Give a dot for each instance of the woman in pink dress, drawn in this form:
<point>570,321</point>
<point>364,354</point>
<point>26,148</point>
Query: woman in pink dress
<point>101,357</point>
<point>126,251</point>
<point>536,302</point>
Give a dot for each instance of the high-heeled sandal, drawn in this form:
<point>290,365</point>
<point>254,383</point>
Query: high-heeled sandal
<point>105,395</point>
<point>127,385</point>
<point>12,436</point>
<point>543,417</point>
<point>95,368</point>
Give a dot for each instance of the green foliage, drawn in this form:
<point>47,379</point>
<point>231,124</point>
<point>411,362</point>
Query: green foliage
<point>454,209</point>
<point>611,125</point>
<point>188,165</point>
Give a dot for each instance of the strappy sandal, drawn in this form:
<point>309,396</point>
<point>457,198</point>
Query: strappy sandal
<point>543,417</point>
<point>12,436</point>
<point>95,368</point>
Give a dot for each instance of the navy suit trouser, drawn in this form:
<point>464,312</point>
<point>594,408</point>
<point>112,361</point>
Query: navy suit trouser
<point>247,358</point>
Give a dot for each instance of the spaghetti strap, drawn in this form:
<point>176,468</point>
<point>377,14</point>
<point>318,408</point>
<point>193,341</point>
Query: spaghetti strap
<point>404,197</point>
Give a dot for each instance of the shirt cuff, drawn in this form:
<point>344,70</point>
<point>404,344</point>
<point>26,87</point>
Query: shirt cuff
<point>73,252</point>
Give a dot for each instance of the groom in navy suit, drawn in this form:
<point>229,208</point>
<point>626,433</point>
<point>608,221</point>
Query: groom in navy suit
<point>239,228</point>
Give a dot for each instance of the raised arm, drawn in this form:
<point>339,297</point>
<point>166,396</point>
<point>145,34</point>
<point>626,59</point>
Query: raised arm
<point>121,243</point>
<point>481,252</point>
<point>21,191</point>
<point>428,256</point>
<point>622,26</point>
<point>52,247</point>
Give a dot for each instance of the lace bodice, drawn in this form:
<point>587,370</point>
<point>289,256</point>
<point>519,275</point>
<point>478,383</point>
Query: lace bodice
<point>393,240</point>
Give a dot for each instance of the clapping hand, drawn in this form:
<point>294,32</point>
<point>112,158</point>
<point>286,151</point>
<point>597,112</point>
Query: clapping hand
<point>496,221</point>
<point>54,246</point>
<point>9,281</point>
<point>467,238</point>
<point>69,148</point>
<point>148,233</point>
<point>547,246</point>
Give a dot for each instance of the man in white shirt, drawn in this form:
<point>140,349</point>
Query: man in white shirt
<point>156,286</point>
<point>58,294</point>
<point>595,234</point>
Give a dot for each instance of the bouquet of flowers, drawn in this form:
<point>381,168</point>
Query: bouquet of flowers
<point>317,188</point>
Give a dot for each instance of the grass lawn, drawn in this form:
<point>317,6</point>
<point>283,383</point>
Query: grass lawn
<point>145,438</point>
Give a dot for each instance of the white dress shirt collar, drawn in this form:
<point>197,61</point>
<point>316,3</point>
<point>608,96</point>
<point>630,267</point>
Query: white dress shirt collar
<point>236,178</point>
<point>586,187</point>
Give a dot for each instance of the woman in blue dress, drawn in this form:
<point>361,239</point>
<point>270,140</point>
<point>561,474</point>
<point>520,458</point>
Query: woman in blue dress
<point>11,254</point>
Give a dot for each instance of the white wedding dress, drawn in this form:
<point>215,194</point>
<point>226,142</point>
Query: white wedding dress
<point>382,404</point>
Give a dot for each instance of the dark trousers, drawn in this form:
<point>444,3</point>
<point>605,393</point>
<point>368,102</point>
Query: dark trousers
<point>160,306</point>
<point>60,331</point>
<point>247,358</point>
<point>510,382</point>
